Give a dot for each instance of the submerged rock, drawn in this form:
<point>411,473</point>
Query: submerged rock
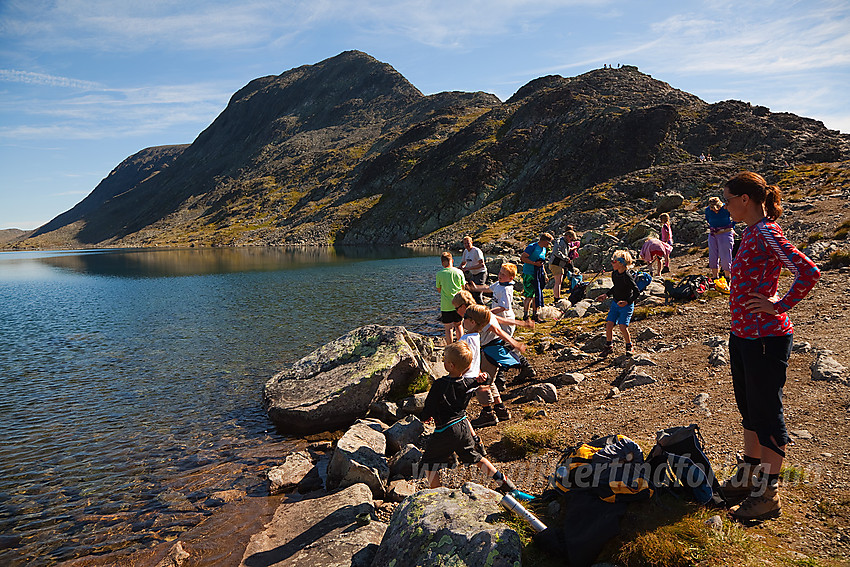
<point>446,526</point>
<point>337,383</point>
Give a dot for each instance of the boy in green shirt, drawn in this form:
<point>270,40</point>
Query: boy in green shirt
<point>450,280</point>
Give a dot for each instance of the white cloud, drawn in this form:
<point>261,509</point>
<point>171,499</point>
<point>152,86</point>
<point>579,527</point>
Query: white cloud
<point>30,78</point>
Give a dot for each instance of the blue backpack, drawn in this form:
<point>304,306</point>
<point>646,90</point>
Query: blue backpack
<point>643,279</point>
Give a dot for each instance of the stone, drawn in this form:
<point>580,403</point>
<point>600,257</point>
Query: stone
<point>648,334</point>
<point>408,430</point>
<point>286,477</point>
<point>668,202</point>
<point>373,423</point>
<point>359,458</point>
<point>718,356</point>
<point>630,362</point>
<point>405,462</point>
<point>450,526</point>
<point>386,411</point>
<point>596,344</point>
<point>825,367</point>
<point>338,382</point>
<point>399,490</point>
<point>701,401</point>
<point>716,340</point>
<point>569,378</point>
<point>801,434</point>
<point>802,346</point>
<point>715,523</point>
<point>635,379</point>
<point>640,232</point>
<point>544,392</point>
<point>578,310</point>
<point>176,557</point>
<point>333,530</point>
<point>414,404</point>
<point>613,393</point>
<point>570,354</point>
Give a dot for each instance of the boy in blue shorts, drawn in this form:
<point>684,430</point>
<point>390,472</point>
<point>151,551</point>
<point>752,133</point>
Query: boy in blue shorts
<point>624,293</point>
<point>446,404</point>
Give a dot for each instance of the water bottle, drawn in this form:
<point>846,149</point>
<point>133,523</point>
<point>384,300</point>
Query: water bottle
<point>509,503</point>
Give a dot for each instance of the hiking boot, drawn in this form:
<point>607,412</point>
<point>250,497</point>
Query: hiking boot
<point>502,413</point>
<point>740,484</point>
<point>756,508</point>
<point>665,270</point>
<point>630,349</point>
<point>486,419</point>
<point>525,373</point>
<point>506,486</point>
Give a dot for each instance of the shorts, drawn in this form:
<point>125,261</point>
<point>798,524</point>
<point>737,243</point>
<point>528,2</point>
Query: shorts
<point>450,317</point>
<point>758,376</point>
<point>620,315</point>
<point>498,355</point>
<point>529,285</point>
<point>456,438</point>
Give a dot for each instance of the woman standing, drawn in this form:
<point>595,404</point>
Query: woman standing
<point>761,338</point>
<point>721,237</point>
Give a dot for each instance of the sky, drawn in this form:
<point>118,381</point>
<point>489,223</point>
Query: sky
<point>85,84</point>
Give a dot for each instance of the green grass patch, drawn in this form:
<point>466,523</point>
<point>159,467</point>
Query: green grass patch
<point>838,259</point>
<point>814,237</point>
<point>521,439</point>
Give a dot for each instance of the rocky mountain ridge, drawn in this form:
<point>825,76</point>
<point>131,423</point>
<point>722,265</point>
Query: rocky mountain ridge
<point>347,151</point>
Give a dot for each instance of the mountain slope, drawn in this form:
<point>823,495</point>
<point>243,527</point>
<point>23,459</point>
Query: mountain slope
<point>347,151</point>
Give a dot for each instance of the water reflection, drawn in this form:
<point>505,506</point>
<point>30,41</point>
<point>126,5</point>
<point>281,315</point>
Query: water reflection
<point>205,261</point>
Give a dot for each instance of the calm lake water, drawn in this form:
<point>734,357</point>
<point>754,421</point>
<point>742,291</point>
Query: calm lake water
<point>124,372</point>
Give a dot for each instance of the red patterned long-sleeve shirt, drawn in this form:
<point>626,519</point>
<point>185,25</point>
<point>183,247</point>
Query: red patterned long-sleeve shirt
<point>763,253</point>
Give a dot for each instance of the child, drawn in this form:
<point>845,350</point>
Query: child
<point>450,280</point>
<point>652,251</point>
<point>475,319</point>
<point>493,339</point>
<point>564,251</point>
<point>666,236</point>
<point>624,292</point>
<point>446,404</point>
<point>503,294</point>
<point>534,274</point>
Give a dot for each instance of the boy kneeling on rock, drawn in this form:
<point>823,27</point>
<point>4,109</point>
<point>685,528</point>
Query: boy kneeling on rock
<point>446,403</point>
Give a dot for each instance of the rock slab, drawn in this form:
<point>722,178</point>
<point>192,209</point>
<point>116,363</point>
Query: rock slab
<point>445,526</point>
<point>359,458</point>
<point>338,382</point>
<point>331,531</point>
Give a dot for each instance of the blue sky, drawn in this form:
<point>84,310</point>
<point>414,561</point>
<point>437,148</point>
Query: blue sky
<point>86,83</point>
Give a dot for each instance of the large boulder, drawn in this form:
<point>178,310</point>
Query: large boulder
<point>333,530</point>
<point>446,526</point>
<point>408,430</point>
<point>337,383</point>
<point>359,458</point>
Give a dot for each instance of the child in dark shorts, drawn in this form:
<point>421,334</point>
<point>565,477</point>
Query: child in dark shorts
<point>446,404</point>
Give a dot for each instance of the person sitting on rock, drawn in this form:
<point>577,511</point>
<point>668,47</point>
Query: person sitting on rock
<point>446,404</point>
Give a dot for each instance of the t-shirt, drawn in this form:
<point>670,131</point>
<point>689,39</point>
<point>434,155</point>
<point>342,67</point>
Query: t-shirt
<point>472,257</point>
<point>474,342</point>
<point>488,335</point>
<point>625,288</point>
<point>719,219</point>
<point>763,253</point>
<point>536,253</point>
<point>450,281</point>
<point>503,294</point>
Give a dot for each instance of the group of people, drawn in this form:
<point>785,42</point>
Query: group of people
<point>761,335</point>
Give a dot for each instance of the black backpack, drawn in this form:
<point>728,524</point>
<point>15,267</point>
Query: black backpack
<point>684,441</point>
<point>687,289</point>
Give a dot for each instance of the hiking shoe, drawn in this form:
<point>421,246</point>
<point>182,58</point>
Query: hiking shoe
<point>507,486</point>
<point>630,349</point>
<point>502,413</point>
<point>756,508</point>
<point>486,419</point>
<point>665,270</point>
<point>525,373</point>
<point>741,483</point>
<point>609,349</point>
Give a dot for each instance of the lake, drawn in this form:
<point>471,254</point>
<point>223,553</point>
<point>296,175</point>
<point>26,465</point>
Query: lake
<point>131,380</point>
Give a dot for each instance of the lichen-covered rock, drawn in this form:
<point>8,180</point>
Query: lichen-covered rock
<point>445,526</point>
<point>333,530</point>
<point>337,383</point>
<point>359,458</point>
